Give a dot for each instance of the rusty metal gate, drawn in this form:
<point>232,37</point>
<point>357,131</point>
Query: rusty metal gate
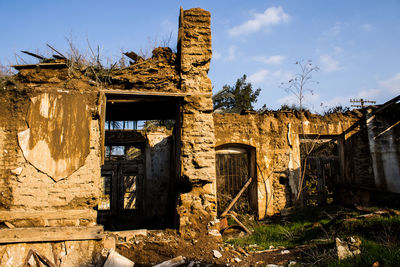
<point>232,167</point>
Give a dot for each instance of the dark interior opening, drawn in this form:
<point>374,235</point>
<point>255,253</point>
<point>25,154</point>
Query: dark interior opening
<point>321,156</point>
<point>139,174</point>
<point>235,164</point>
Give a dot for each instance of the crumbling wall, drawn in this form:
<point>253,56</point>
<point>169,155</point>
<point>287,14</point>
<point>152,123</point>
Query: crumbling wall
<point>50,156</point>
<point>159,73</point>
<point>197,201</point>
<point>275,135</point>
<point>52,137</point>
<point>49,169</point>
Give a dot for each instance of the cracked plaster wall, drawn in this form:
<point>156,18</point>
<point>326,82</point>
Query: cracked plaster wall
<point>34,177</point>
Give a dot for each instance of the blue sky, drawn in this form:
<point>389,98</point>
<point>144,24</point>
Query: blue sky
<point>354,43</point>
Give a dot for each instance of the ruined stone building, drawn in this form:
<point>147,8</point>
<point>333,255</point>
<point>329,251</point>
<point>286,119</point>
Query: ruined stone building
<point>83,149</point>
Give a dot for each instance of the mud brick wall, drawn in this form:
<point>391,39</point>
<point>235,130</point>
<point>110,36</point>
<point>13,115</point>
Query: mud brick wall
<point>275,136</point>
<point>196,206</point>
<point>157,73</point>
<point>50,145</point>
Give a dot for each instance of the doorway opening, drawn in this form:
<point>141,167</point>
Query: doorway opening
<point>235,164</point>
<point>141,156</point>
<point>323,168</point>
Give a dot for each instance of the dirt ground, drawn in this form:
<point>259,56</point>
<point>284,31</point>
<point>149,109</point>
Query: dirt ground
<point>147,248</point>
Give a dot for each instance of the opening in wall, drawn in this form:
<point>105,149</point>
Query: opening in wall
<point>321,162</point>
<point>235,164</point>
<point>141,161</point>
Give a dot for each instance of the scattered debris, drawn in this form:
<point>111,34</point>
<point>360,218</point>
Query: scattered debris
<point>217,254</point>
<point>38,258</point>
<point>115,259</point>
<point>171,263</point>
<point>9,225</point>
<point>348,247</point>
<point>237,259</point>
<point>285,251</point>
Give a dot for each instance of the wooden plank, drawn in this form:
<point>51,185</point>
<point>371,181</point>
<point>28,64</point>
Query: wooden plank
<point>55,65</point>
<point>10,215</point>
<point>236,198</point>
<point>45,234</point>
<point>142,93</point>
<point>240,223</point>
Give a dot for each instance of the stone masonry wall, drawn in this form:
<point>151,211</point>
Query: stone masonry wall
<point>197,206</point>
<point>275,136</point>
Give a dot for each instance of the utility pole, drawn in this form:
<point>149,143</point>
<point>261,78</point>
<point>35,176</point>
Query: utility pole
<point>362,102</point>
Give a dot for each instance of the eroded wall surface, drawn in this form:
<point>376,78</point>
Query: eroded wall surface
<point>275,136</point>
<point>50,150</point>
<point>197,202</point>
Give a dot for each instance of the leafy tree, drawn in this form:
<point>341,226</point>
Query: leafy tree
<point>236,98</point>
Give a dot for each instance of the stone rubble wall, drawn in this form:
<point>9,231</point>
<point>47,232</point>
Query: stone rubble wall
<point>51,128</point>
<point>275,136</point>
<point>196,206</point>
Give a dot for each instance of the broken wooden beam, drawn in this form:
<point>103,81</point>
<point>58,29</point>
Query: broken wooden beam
<point>55,65</point>
<point>236,197</point>
<point>240,223</point>
<point>34,55</point>
<point>61,56</point>
<point>46,234</point>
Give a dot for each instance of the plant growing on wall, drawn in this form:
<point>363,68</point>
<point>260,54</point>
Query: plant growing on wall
<point>299,85</point>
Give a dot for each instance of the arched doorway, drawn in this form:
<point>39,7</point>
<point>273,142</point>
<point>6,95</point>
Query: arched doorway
<point>235,164</point>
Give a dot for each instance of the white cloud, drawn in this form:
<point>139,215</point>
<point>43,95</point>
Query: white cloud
<point>392,84</point>
<point>335,30</point>
<point>269,78</point>
<point>277,59</point>
<point>310,100</point>
<point>259,76</point>
<point>329,64</point>
<point>216,55</point>
<point>271,16</point>
<point>366,27</point>
<point>231,53</point>
<point>337,50</point>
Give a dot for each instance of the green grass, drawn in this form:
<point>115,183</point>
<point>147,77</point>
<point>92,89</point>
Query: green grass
<point>370,253</point>
<point>380,236</point>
